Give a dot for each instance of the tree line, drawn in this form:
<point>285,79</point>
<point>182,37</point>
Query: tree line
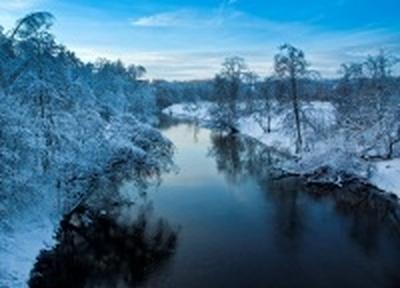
<point>367,96</point>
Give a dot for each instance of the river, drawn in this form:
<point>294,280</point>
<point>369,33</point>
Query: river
<point>240,228</point>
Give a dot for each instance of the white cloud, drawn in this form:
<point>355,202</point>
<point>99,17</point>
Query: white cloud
<point>192,43</point>
<point>231,22</point>
<point>12,5</point>
<point>165,19</point>
<point>325,50</point>
<point>190,18</point>
<point>179,65</point>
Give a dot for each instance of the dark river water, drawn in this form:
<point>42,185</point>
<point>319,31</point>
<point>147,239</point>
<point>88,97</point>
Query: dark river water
<point>229,224</point>
<point>239,228</point>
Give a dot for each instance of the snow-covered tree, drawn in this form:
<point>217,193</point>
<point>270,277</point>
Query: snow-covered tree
<point>227,86</point>
<point>369,105</point>
<point>64,122</point>
<point>269,91</point>
<point>291,65</point>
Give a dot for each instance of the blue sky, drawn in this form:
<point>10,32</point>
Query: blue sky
<point>189,39</point>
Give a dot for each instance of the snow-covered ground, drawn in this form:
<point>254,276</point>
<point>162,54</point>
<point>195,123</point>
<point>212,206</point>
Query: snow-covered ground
<point>22,237</point>
<point>197,112</point>
<point>19,250</point>
<point>387,176</point>
<point>331,152</point>
<point>279,137</point>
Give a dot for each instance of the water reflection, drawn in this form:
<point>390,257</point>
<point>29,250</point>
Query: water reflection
<point>94,249</point>
<point>239,158</point>
<point>227,152</point>
<point>111,239</point>
<point>241,227</point>
<point>368,213</point>
<point>365,214</point>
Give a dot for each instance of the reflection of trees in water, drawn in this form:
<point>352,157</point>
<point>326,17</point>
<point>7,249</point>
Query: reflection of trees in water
<point>367,212</point>
<point>290,214</point>
<point>95,250</point>
<point>228,152</point>
<point>193,128</point>
<point>166,122</point>
<point>108,239</point>
<point>238,157</point>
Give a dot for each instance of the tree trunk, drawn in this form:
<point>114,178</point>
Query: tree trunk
<point>391,147</point>
<point>296,111</point>
<point>269,122</point>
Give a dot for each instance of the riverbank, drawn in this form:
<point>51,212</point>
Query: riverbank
<point>332,159</point>
<point>29,226</point>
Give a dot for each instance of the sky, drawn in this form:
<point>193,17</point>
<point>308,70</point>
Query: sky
<point>184,40</point>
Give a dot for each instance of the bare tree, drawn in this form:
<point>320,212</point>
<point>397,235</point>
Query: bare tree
<point>378,68</point>
<point>368,104</point>
<point>227,89</point>
<point>268,90</point>
<point>250,92</point>
<point>290,64</point>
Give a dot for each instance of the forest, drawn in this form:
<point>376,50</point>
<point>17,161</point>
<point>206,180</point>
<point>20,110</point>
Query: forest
<point>71,131</point>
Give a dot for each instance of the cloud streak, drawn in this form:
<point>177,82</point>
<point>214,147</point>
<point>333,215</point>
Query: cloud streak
<point>185,18</point>
<point>190,42</point>
<point>325,51</point>
<point>179,18</point>
<point>13,5</point>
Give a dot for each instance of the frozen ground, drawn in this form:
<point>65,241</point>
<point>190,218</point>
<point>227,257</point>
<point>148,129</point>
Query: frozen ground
<point>19,250</point>
<point>279,137</point>
<point>332,152</point>
<point>30,231</point>
<point>387,176</point>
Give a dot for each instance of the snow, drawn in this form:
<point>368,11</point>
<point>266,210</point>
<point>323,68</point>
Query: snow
<point>336,152</point>
<point>19,249</point>
<point>64,122</point>
<point>23,235</point>
<point>189,111</point>
<point>279,138</point>
<point>276,138</point>
<point>386,176</point>
<point>248,125</point>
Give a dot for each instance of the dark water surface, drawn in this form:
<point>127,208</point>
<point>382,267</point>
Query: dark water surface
<point>241,229</point>
<point>238,227</point>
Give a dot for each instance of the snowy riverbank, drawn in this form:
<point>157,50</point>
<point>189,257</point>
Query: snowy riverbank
<point>23,236</point>
<point>334,152</point>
